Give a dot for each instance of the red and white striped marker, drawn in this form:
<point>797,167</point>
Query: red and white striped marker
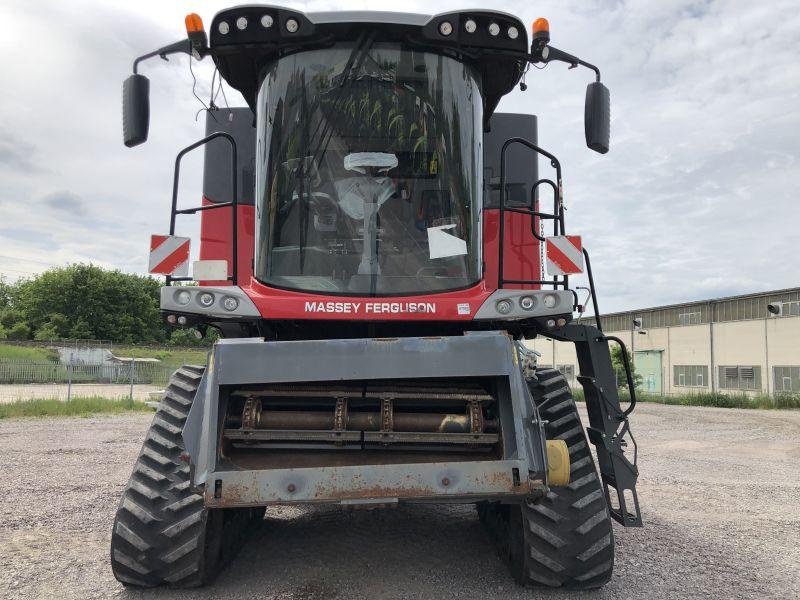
<point>169,255</point>
<point>564,255</point>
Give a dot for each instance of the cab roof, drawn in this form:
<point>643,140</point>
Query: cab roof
<point>270,32</point>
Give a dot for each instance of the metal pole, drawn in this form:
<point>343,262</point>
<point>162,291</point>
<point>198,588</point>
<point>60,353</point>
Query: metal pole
<point>131,394</point>
<point>713,374</point>
<point>69,377</point>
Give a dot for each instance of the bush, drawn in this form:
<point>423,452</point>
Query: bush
<point>46,332</point>
<point>19,331</point>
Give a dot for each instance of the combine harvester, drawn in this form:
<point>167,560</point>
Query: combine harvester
<point>385,260</point>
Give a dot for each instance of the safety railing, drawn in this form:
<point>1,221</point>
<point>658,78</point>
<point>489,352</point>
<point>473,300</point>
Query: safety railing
<point>234,271</point>
<point>557,216</point>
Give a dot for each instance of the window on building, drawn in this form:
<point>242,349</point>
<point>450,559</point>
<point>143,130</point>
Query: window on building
<point>740,378</point>
<point>689,318</point>
<point>690,375</point>
<point>787,379</point>
<point>567,371</point>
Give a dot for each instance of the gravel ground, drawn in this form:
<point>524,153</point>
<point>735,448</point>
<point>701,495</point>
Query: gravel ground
<point>718,488</point>
<point>31,391</point>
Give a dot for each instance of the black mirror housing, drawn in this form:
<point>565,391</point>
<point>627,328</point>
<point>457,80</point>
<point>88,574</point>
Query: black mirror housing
<point>135,109</point>
<point>597,117</point>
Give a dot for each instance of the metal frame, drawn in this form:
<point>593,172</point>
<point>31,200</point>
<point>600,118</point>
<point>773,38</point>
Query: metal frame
<point>557,215</point>
<point>233,277</point>
<point>608,428</point>
<point>520,474</point>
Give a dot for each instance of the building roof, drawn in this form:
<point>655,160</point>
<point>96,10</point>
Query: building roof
<point>728,308</point>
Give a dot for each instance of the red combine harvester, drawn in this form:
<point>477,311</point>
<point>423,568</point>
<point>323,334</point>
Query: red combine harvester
<point>373,252</point>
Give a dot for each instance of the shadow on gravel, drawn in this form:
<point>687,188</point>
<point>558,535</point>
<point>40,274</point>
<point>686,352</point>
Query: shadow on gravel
<point>441,551</point>
<point>316,553</point>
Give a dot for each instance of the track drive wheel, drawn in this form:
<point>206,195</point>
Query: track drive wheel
<point>163,535</point>
<point>564,539</point>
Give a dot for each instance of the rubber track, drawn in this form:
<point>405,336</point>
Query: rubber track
<point>565,539</point>
<point>162,533</point>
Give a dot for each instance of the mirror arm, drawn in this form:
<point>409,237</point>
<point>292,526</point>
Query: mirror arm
<point>547,53</point>
<point>187,46</point>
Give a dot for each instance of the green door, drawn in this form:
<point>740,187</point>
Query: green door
<point>648,365</point>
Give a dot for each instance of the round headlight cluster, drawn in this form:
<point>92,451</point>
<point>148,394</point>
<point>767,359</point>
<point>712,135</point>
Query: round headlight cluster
<point>230,303</point>
<point>550,300</point>
<point>206,299</point>
<point>183,298</point>
<point>504,306</point>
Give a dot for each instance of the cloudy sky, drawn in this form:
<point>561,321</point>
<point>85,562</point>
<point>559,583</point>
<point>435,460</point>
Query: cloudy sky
<point>698,197</point>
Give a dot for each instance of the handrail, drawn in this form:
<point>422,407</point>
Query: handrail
<point>557,215</point>
<point>234,277</point>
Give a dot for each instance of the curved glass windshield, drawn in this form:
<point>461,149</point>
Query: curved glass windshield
<point>368,165</point>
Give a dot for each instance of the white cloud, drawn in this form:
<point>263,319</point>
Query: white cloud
<point>697,197</point>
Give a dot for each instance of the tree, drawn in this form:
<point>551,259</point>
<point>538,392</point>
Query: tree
<point>86,301</point>
<point>619,368</point>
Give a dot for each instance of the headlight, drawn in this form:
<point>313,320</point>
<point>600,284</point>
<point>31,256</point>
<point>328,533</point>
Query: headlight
<point>292,25</point>
<point>470,26</point>
<point>550,300</point>
<point>241,23</point>
<point>494,29</point>
<point>526,303</point>
<point>513,32</point>
<point>206,299</point>
<point>230,303</point>
<point>183,297</point>
<point>223,27</point>
<point>266,21</point>
<point>503,307</point>
<point>445,28</point>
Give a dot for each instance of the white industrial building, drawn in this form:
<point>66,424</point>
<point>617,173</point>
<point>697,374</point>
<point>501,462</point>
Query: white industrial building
<point>747,343</point>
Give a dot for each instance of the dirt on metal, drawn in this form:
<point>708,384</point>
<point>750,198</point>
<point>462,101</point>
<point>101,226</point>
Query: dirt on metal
<point>719,489</point>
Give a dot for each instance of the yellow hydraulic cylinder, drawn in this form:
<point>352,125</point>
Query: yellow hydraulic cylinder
<point>557,463</point>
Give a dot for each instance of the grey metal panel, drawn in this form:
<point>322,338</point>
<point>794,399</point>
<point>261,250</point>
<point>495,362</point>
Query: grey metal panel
<point>522,167</point>
<point>488,310</point>
<point>243,361</point>
<point>253,360</point>
<point>417,481</point>
<point>246,307</point>
<point>238,122</point>
<point>368,16</point>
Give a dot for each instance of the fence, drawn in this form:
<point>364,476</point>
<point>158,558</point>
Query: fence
<point>27,380</point>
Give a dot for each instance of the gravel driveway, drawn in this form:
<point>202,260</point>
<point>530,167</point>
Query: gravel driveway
<point>719,491</point>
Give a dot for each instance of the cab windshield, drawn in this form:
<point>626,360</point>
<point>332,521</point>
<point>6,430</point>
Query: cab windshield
<point>367,172</point>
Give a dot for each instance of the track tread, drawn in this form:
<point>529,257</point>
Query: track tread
<point>567,538</point>
<point>162,532</point>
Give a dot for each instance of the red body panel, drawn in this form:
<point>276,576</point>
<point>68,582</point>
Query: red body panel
<point>521,257</point>
<point>215,238</point>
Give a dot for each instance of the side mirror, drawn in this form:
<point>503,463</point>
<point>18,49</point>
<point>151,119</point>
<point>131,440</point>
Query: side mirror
<point>135,109</point>
<point>597,117</point>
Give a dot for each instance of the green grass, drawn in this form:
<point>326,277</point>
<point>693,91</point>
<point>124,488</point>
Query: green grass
<point>79,407</point>
<point>177,356</point>
<point>718,400</point>
<point>32,353</point>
